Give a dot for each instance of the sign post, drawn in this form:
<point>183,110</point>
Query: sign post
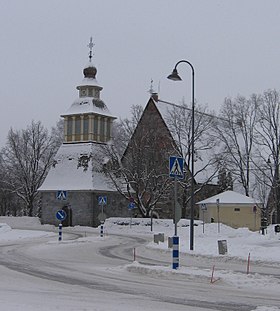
<point>60,215</point>
<point>203,208</point>
<point>176,170</point>
<point>131,206</point>
<point>102,200</point>
<point>218,213</point>
<point>255,216</point>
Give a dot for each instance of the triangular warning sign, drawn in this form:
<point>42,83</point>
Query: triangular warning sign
<point>176,169</point>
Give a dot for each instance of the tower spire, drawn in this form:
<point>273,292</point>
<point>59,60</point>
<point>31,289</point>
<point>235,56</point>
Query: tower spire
<point>151,90</point>
<point>90,46</point>
<point>153,94</point>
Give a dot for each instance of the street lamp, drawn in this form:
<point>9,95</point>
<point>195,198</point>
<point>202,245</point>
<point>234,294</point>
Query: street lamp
<point>175,77</point>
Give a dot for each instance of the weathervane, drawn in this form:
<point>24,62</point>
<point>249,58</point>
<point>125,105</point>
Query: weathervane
<point>151,90</point>
<point>90,45</point>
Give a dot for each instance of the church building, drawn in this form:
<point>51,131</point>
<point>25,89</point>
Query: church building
<point>76,182</point>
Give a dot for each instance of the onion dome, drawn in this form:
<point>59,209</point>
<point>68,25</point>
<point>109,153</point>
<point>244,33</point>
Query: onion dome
<point>90,71</point>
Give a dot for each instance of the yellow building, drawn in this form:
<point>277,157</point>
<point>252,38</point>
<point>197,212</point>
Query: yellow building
<point>232,209</point>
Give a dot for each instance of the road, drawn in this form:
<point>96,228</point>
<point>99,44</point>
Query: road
<point>98,275</point>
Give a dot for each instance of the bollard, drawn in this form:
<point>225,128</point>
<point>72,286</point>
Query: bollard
<point>101,230</point>
<point>60,232</point>
<point>134,254</point>
<point>248,264</point>
<point>175,252</point>
<point>212,275</point>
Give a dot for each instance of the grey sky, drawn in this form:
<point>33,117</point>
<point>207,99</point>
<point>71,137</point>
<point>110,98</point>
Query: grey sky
<point>233,45</point>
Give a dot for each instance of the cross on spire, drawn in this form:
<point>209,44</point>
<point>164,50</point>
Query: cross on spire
<point>90,46</point>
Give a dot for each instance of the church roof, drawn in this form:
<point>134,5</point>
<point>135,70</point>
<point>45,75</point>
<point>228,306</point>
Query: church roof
<point>229,197</point>
<point>78,167</point>
<point>88,105</point>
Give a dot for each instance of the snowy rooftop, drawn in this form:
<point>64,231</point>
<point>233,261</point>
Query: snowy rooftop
<point>88,105</point>
<point>229,197</point>
<point>90,82</point>
<point>78,167</point>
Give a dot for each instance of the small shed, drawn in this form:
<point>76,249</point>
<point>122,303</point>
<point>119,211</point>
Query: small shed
<point>232,209</point>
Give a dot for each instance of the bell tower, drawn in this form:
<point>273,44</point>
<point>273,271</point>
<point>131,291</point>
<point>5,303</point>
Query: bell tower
<point>88,119</point>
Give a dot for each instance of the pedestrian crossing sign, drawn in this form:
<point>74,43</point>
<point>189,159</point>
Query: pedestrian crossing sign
<point>61,195</point>
<point>102,200</point>
<point>176,166</point>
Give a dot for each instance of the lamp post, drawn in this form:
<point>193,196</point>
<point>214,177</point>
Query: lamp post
<point>175,77</point>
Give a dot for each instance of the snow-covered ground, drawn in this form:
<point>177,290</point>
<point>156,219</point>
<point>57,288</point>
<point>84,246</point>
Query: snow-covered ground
<point>240,242</point>
<point>204,263</point>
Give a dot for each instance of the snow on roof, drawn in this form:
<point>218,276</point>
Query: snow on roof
<point>87,105</point>
<point>229,197</point>
<point>78,167</point>
<point>89,82</point>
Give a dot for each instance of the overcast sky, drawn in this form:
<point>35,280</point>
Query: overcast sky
<point>233,45</point>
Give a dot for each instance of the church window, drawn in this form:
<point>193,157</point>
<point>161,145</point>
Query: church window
<point>86,123</point>
<point>90,92</point>
<point>78,125</point>
<point>102,129</point>
<point>69,129</point>
<point>95,127</point>
<point>108,130</point>
<point>83,93</point>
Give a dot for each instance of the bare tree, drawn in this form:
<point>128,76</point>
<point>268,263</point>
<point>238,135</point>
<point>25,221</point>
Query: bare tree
<point>142,171</point>
<point>268,152</point>
<point>57,132</point>
<point>179,120</point>
<point>27,157</point>
<point>124,129</point>
<point>236,130</point>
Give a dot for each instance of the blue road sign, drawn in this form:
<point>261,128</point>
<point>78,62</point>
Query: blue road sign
<point>61,195</point>
<point>176,167</point>
<point>102,200</point>
<point>61,215</point>
<point>131,205</point>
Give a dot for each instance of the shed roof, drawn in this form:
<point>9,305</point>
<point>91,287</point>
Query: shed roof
<point>229,197</point>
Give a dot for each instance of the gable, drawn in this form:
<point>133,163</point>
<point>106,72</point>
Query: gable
<point>153,128</point>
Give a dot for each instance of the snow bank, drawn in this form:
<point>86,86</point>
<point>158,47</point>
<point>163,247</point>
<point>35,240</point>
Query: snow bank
<point>240,280</point>
<point>25,221</point>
